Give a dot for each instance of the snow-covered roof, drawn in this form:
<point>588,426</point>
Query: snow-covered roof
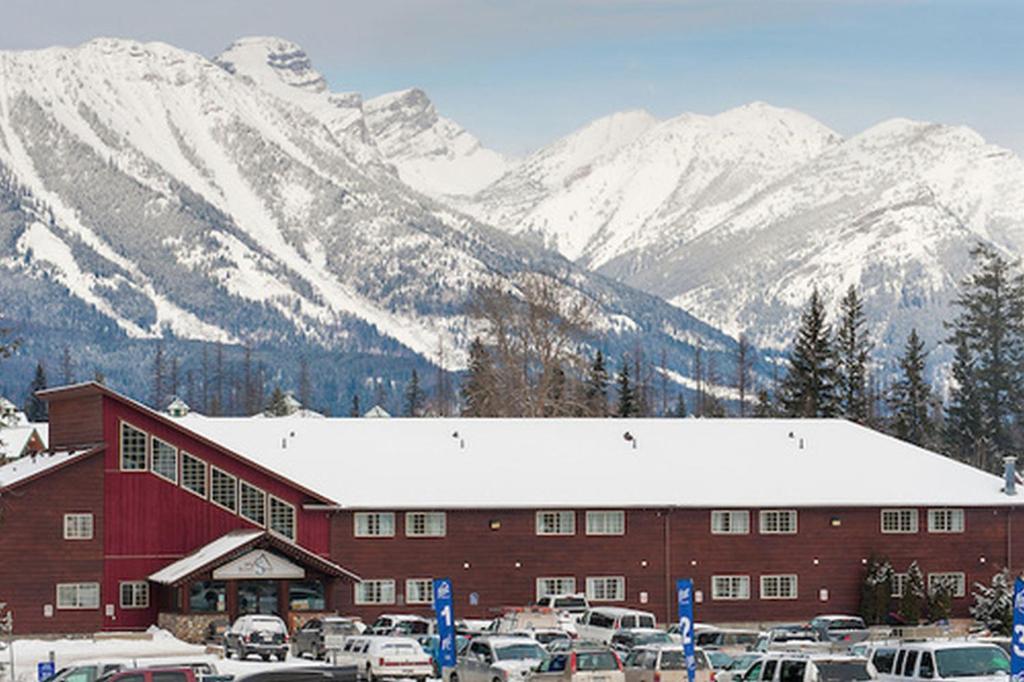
<point>204,556</point>
<point>508,463</point>
<point>376,412</point>
<point>13,439</point>
<point>23,468</point>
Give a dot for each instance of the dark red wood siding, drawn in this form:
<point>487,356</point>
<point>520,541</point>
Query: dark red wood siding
<point>76,421</point>
<point>35,557</point>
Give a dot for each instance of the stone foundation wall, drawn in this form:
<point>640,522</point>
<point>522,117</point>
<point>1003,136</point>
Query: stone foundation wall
<point>191,627</point>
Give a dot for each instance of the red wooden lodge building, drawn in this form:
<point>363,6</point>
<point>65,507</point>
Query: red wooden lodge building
<point>135,518</point>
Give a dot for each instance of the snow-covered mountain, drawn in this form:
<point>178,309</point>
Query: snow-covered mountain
<point>736,217</point>
<point>239,200</point>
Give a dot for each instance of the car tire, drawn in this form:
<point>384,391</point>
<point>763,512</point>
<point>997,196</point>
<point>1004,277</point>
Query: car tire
<point>369,674</point>
<point>454,677</point>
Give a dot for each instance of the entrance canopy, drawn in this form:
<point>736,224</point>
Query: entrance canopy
<point>249,555</point>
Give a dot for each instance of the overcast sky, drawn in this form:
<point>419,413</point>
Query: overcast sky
<point>520,74</point>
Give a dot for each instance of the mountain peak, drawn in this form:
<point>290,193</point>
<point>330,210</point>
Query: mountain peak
<point>269,60</point>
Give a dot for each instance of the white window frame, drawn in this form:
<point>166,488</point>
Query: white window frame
<point>568,580</point>
<point>959,582</point>
<point>764,521</point>
<point>363,524</point>
<point>416,588</point>
<point>900,514</point>
<point>245,487</point>
<point>946,520</point>
<point>560,526</point>
<point>440,530</point>
<point>598,588</point>
<point>139,594</point>
<point>153,440</point>
<point>79,526</point>
<point>78,604</point>
<point>899,584</point>
<point>606,522</point>
<point>273,526</point>
<point>185,482</point>
<point>727,522</point>
<point>789,578</point>
<point>730,587</point>
<point>120,448</point>
<point>380,587</point>
<point>214,470</point>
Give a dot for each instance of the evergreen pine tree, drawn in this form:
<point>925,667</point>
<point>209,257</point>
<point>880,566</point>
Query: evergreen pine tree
<point>67,367</point>
<point>680,409</point>
<point>479,393</point>
<point>743,371</point>
<point>876,592</point>
<point>627,400</point>
<point>991,317</point>
<point>993,603</point>
<point>354,410</point>
<point>963,432</point>
<point>277,406</point>
<point>808,389</point>
<point>764,407</point>
<point>913,601</point>
<point>159,386</point>
<point>911,394</point>
<point>595,394</point>
<point>852,349</point>
<point>305,386</point>
<point>35,407</point>
<point>414,398</point>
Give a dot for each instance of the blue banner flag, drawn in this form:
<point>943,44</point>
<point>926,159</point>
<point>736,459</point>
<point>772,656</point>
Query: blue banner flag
<point>45,670</point>
<point>445,622</point>
<point>684,597</point>
<point>1017,650</point>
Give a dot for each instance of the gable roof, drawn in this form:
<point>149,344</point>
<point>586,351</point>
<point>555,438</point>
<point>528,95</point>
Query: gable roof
<point>25,469</point>
<point>14,439</point>
<point>537,463</point>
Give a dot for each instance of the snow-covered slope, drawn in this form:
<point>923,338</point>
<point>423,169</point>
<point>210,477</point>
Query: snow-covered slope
<point>432,154</point>
<point>238,199</point>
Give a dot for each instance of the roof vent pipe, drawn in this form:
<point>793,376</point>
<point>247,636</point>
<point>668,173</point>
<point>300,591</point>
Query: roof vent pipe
<point>1010,475</point>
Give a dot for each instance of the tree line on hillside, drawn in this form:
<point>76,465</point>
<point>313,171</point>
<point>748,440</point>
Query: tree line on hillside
<point>537,354</point>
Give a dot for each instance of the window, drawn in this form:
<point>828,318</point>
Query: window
<point>778,587</point>
<point>945,520</point>
<point>778,521</point>
<point>252,503</point>
<point>730,522</point>
<point>926,668</point>
<point>730,587</point>
<point>606,588</point>
<point>899,520</point>
<point>78,595</point>
<point>899,584</point>
<point>606,523</point>
<point>133,448</point>
<point>78,526</point>
<point>375,524</point>
<point>306,595</point>
<point>556,523</point>
<point>193,474</point>
<point>209,596</point>
<point>956,583</point>
<point>792,671</point>
<point>165,460</point>
<point>223,489</point>
<point>425,524</point>
<point>135,595</point>
<point>547,586</point>
<point>419,591</point>
<point>375,592</point>
<point>282,518</point>
<point>910,663</point>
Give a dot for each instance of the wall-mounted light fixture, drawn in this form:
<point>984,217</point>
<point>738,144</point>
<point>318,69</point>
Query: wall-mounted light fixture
<point>495,524</point>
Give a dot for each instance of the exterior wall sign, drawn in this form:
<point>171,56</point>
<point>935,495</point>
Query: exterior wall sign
<point>259,565</point>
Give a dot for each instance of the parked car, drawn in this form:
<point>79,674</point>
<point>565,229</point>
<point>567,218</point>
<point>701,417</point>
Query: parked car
<point>545,636</point>
<point>387,623</point>
<point>625,641</point>
<point>738,668</point>
<point>263,635</point>
<point>88,671</point>
<point>581,664</point>
<point>733,640</point>
<point>600,623</point>
<point>532,618</point>
<point>346,673</point>
<point>803,667</point>
<point>431,645</point>
<point>845,629</point>
<point>664,663</point>
<point>497,659</point>
<point>379,657</point>
<point>575,604</point>
<point>720,660</point>
<point>959,661</point>
<point>150,675</point>
<point>785,634</point>
<point>312,638</point>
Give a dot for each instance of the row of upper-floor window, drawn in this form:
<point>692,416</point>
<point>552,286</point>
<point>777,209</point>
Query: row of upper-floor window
<point>785,586</point>
<point>613,522</point>
<point>143,452</point>
<point>605,588</point>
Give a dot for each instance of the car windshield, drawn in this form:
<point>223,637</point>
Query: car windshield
<point>719,659</point>
<point>645,621</point>
<point>673,659</point>
<point>744,662</point>
<point>653,638</point>
<point>596,660</point>
<point>571,603</point>
<point>519,652</point>
<point>971,661</point>
<point>846,624</point>
<point>548,637</point>
<point>842,671</point>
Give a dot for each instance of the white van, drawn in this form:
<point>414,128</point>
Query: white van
<point>960,661</point>
<point>377,657</point>
<point>600,623</point>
